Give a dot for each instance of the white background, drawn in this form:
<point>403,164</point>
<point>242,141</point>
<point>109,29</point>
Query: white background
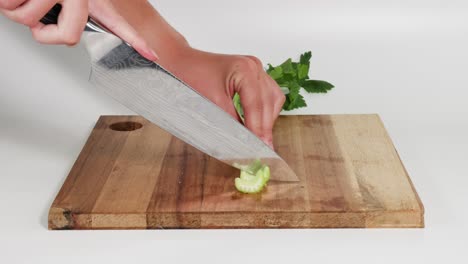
<point>406,60</point>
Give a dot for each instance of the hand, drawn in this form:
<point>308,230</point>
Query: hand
<point>218,77</point>
<point>72,21</point>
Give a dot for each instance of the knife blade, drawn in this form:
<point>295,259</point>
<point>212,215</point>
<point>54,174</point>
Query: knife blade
<point>148,89</point>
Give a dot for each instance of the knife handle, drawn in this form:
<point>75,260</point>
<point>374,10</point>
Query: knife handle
<point>52,16</point>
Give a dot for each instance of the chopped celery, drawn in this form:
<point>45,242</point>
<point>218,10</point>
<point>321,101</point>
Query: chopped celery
<point>266,173</point>
<point>252,168</point>
<point>250,183</point>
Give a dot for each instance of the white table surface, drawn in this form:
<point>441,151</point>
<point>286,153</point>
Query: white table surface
<point>406,60</point>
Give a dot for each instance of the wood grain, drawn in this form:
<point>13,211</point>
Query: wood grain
<point>351,176</point>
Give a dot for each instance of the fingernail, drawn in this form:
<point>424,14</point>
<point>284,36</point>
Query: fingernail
<point>151,54</point>
<point>270,144</point>
<point>267,141</point>
<point>154,54</point>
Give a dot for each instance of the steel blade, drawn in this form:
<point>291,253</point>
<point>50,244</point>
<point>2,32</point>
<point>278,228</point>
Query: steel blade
<point>157,95</point>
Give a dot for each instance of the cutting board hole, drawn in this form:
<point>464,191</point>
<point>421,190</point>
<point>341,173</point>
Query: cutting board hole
<point>126,126</point>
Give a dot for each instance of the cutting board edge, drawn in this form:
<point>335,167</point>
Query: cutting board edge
<point>415,192</point>
<point>63,219</point>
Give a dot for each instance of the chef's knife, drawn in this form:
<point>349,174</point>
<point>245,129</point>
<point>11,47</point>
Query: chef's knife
<point>151,91</point>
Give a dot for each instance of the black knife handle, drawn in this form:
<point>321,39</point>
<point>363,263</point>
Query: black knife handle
<point>52,16</point>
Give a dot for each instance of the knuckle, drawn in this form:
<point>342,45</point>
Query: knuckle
<point>280,92</point>
<point>256,60</point>
<point>245,64</point>
<point>218,101</point>
<point>281,98</point>
<point>25,19</point>
<point>35,35</point>
<point>98,6</point>
<point>38,37</point>
<point>256,128</point>
<point>71,39</point>
<point>7,5</point>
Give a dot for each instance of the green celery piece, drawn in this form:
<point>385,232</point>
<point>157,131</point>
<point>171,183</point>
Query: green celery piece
<point>252,183</point>
<point>254,167</point>
<point>238,106</point>
<point>244,175</point>
<point>251,168</point>
<point>266,173</point>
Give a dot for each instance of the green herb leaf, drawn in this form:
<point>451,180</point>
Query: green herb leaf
<point>287,67</point>
<point>276,73</point>
<point>294,102</point>
<point>270,68</point>
<point>305,58</point>
<point>292,75</point>
<point>302,71</point>
<point>317,86</point>
<point>294,99</point>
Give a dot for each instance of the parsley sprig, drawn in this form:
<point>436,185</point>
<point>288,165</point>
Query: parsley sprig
<point>291,77</point>
<point>294,76</point>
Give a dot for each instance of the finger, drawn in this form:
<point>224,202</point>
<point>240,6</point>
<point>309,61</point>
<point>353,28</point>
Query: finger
<point>105,13</point>
<point>269,112</point>
<point>276,101</point>
<point>10,4</point>
<point>256,98</point>
<point>231,110</point>
<point>257,61</point>
<point>71,23</point>
<point>255,110</point>
<point>267,125</point>
<point>273,102</point>
<point>278,97</point>
<point>227,105</point>
<point>30,12</point>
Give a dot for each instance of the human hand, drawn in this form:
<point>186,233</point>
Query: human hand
<point>72,21</point>
<point>218,77</point>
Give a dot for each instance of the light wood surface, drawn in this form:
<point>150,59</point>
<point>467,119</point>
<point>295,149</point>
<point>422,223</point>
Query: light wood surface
<point>350,172</point>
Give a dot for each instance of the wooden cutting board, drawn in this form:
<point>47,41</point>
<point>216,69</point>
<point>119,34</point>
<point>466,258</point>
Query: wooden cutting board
<point>133,175</point>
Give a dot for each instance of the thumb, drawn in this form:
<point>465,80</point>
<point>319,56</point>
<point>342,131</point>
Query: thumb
<point>105,12</point>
